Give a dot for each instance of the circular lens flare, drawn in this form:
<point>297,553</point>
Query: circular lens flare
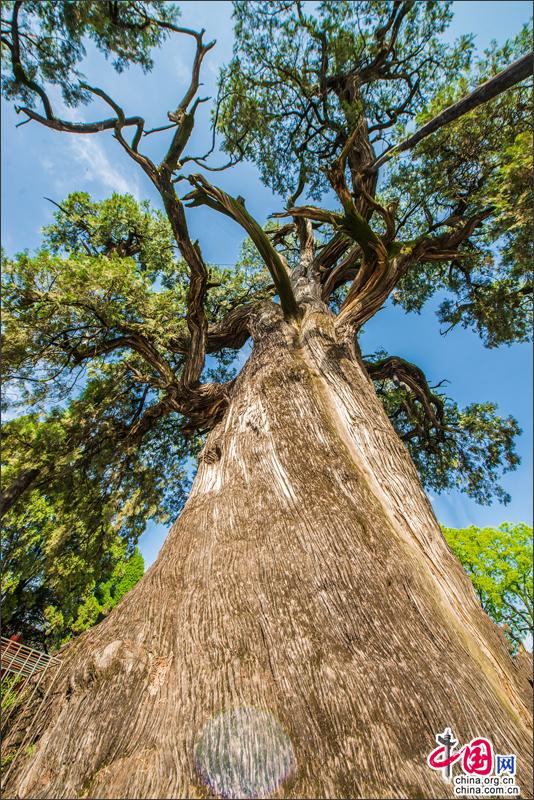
<point>245,753</point>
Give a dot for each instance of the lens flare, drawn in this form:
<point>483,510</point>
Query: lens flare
<point>244,752</point>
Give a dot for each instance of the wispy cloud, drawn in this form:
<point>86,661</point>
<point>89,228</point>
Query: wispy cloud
<point>181,70</point>
<point>90,153</point>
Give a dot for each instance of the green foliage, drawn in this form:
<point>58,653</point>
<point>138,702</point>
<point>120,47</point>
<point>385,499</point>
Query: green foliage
<point>482,163</point>
<point>453,449</point>
<point>90,326</point>
<point>64,564</point>
<point>470,455</point>
<point>10,698</point>
<point>499,563</point>
<point>118,226</point>
<point>120,30</point>
<point>82,453</point>
<point>107,273</point>
<point>282,108</point>
<point>289,107</point>
<point>127,572</point>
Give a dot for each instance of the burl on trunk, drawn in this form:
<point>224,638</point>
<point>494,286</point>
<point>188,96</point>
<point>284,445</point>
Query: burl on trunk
<point>305,631</point>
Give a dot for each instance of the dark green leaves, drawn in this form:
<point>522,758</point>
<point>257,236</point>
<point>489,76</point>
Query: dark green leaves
<point>44,41</point>
<point>107,288</point>
<point>89,499</point>
<point>94,333</point>
<point>60,575</point>
<point>464,449</point>
<point>118,225</point>
<point>479,166</point>
<point>302,77</point>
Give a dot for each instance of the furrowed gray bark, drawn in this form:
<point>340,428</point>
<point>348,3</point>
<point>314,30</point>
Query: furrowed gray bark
<point>305,630</point>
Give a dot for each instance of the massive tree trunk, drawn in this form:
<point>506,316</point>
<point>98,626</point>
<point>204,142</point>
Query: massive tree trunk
<point>305,631</point>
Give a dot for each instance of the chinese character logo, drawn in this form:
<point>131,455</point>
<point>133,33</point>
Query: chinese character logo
<point>505,764</point>
<point>478,757</point>
<point>443,757</point>
<point>475,758</point>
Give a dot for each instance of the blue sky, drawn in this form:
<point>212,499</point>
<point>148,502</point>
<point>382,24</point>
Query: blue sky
<point>38,162</point>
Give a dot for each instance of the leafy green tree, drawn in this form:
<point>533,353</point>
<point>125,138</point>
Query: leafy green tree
<point>62,570</point>
<point>122,31</point>
<point>126,573</point>
<point>488,285</point>
<point>307,560</point>
<point>95,344</point>
<point>499,563</point>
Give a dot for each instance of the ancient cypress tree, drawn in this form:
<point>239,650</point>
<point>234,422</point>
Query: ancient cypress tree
<point>305,630</point>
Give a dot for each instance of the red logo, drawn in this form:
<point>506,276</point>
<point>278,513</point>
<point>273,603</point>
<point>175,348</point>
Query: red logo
<point>476,757</point>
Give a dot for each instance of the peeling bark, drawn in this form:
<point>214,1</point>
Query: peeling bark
<point>305,630</point>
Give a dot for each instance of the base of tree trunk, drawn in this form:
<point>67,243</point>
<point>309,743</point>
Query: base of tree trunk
<point>305,630</point>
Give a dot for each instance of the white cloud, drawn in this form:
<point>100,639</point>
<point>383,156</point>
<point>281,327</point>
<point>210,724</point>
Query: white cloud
<point>89,153</point>
<point>182,71</point>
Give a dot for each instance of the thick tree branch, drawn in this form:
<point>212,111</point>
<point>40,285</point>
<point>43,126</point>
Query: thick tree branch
<point>198,284</point>
<point>327,256</point>
<point>78,127</point>
<point>17,487</point>
<point>376,278</point>
<point>423,408</point>
<point>231,332</point>
<point>312,212</point>
<point>344,271</point>
<point>374,281</point>
<point>185,120</point>
<point>444,247</point>
<point>206,194</point>
<point>509,77</point>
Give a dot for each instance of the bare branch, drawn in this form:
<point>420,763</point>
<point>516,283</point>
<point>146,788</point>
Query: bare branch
<point>185,120</point>
<point>77,127</point>
<point>423,407</point>
<point>198,285</point>
<point>311,212</point>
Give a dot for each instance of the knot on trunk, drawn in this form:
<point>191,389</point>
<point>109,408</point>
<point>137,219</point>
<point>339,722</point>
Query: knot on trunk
<point>210,454</point>
<point>296,374</point>
<point>117,659</point>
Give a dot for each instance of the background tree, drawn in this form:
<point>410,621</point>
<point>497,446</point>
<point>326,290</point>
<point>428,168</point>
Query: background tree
<point>499,562</point>
<point>307,560</point>
<point>60,575</point>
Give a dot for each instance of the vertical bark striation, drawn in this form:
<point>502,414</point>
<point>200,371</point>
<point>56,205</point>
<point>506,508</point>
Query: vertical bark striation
<point>304,632</point>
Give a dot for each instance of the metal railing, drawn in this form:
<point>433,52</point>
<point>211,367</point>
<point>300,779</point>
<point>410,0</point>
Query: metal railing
<point>22,672</point>
<point>20,659</point>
